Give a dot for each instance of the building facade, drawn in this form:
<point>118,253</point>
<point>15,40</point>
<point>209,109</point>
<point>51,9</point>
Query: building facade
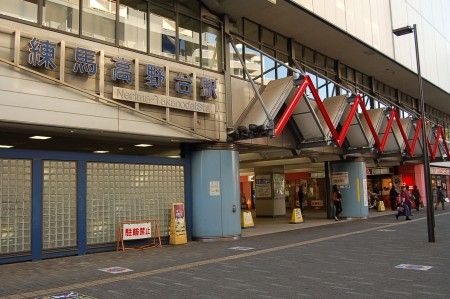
<point>114,110</point>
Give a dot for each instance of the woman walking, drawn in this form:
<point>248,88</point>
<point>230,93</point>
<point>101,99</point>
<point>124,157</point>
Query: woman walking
<point>416,197</point>
<point>337,201</point>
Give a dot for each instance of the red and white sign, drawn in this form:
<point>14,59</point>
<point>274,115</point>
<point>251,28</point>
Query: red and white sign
<point>136,231</point>
<point>316,203</point>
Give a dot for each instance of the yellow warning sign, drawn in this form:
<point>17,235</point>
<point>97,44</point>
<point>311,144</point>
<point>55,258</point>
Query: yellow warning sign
<point>296,216</point>
<point>380,206</point>
<point>177,225</point>
<point>247,219</point>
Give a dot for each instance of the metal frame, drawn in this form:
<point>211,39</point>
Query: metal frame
<point>81,159</point>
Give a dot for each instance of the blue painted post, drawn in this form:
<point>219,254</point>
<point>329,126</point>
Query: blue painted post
<point>81,207</point>
<point>187,156</point>
<point>36,208</point>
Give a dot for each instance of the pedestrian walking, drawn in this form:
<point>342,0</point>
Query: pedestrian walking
<point>404,206</point>
<point>415,196</point>
<point>301,197</point>
<point>337,201</point>
<point>440,198</point>
<point>393,198</point>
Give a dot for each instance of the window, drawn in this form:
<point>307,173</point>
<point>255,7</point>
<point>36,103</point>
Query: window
<point>235,64</point>
<point>99,19</point>
<point>211,47</point>
<point>268,37</point>
<point>60,15</point>
<point>21,9</point>
<point>133,24</point>
<point>251,31</point>
<point>253,62</point>
<point>162,32</point>
<point>189,40</point>
<point>268,65</point>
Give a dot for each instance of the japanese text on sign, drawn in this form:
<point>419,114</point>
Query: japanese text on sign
<point>340,178</point>
<point>136,231</point>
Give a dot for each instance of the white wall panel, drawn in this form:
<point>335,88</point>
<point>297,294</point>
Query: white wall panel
<point>372,22</point>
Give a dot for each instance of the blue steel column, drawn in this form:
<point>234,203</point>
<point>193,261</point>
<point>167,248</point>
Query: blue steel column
<point>354,195</point>
<point>36,208</point>
<point>215,215</point>
<point>187,156</point>
<point>81,207</point>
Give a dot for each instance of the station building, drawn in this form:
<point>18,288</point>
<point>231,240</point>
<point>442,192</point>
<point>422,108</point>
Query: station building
<point>113,110</point>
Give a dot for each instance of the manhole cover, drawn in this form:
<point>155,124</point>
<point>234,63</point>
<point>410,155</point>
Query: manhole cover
<point>241,248</point>
<point>115,270</point>
<point>414,267</point>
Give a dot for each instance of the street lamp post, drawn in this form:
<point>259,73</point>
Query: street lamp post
<point>426,162</point>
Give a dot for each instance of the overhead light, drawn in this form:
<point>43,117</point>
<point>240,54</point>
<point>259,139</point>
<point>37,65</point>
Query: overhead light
<point>143,145</point>
<point>173,156</point>
<point>101,152</point>
<point>403,30</point>
<point>40,137</point>
<point>6,146</point>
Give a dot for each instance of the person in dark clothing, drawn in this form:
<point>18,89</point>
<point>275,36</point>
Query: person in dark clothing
<point>393,198</point>
<point>440,198</point>
<point>337,201</point>
<point>404,207</point>
<point>301,198</point>
<point>416,197</point>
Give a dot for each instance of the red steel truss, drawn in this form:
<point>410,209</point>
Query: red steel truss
<point>339,137</point>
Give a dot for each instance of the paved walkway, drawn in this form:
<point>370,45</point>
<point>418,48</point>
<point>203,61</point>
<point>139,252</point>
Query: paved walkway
<point>351,259</point>
<point>270,225</point>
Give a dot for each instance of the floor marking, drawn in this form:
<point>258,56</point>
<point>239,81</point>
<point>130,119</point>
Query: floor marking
<point>218,260</point>
<point>227,287</point>
<point>413,267</point>
<point>115,270</point>
<point>241,248</point>
<point>386,230</point>
<point>309,277</point>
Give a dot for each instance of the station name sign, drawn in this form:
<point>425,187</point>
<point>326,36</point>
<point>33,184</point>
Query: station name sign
<point>130,95</point>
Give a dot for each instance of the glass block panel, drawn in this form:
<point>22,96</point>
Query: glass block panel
<point>15,206</point>
<point>59,205</point>
<point>117,192</point>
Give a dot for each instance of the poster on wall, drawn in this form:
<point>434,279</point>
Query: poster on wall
<point>397,181</point>
<point>263,186</point>
<point>340,179</point>
<point>365,193</point>
<point>214,188</point>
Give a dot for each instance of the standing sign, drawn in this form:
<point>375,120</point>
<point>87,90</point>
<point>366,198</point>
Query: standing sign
<point>178,225</point>
<point>136,231</point>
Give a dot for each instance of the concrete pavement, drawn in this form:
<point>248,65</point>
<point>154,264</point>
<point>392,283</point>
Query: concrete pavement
<point>351,259</point>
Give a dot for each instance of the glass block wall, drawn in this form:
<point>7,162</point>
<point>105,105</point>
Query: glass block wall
<point>117,192</point>
<point>59,210</point>
<point>15,206</point>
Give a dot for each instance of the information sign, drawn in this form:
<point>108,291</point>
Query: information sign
<point>340,179</point>
<point>136,231</point>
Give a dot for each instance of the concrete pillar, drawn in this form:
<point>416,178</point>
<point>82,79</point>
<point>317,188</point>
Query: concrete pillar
<point>350,176</point>
<point>215,192</point>
<point>269,191</point>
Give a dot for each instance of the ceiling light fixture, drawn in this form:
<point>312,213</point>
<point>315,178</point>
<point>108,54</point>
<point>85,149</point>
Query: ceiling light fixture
<point>40,137</point>
<point>143,145</point>
<point>6,146</point>
<point>100,152</point>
